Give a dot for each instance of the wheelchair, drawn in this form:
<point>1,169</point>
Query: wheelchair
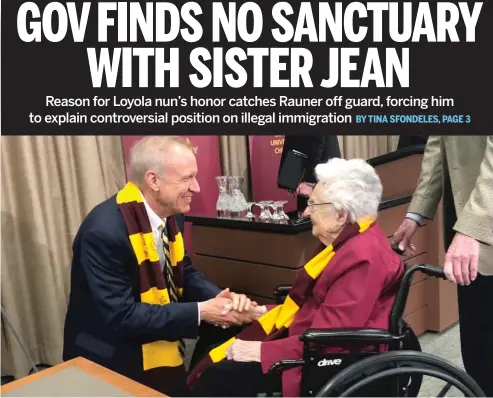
<point>397,372</point>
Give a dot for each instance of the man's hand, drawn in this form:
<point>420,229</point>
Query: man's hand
<point>244,351</point>
<point>461,260</point>
<point>240,301</point>
<point>215,311</point>
<point>304,189</point>
<point>402,237</point>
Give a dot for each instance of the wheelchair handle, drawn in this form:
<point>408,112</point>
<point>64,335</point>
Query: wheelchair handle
<point>397,250</point>
<point>431,270</point>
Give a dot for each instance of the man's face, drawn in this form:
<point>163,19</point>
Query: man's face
<point>179,181</point>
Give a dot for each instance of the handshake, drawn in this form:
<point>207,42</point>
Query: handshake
<point>230,309</point>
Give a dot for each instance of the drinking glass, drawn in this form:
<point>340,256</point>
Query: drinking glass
<point>264,210</point>
<point>275,211</point>
<point>249,210</point>
<point>282,215</point>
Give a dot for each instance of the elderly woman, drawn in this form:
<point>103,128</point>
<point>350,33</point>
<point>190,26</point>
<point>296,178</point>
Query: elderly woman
<point>351,282</point>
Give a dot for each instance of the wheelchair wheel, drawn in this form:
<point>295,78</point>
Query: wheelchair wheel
<point>397,363</point>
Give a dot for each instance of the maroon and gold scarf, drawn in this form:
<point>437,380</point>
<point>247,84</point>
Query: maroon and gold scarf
<point>153,287</point>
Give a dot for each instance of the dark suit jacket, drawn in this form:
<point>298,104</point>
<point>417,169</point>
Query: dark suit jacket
<point>106,322</point>
<point>357,289</point>
<point>318,148</point>
<point>410,140</point>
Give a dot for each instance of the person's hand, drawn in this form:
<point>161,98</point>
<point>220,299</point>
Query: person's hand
<point>304,189</point>
<point>215,311</point>
<point>240,301</point>
<point>461,260</point>
<point>402,237</point>
<point>244,351</point>
<point>256,312</point>
<point>246,317</point>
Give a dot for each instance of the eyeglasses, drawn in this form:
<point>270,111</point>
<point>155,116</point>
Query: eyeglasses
<point>311,205</point>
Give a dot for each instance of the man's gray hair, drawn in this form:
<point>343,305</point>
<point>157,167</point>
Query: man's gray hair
<point>352,185</point>
<point>150,153</point>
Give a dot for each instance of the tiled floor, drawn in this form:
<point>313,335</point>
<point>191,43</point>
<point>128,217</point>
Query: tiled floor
<point>445,345</point>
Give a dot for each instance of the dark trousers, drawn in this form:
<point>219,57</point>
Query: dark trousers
<point>301,203</point>
<point>228,378</point>
<point>235,379</point>
<point>475,310</point>
<point>476,330</point>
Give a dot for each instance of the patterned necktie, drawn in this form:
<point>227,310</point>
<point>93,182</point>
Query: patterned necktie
<point>168,272</point>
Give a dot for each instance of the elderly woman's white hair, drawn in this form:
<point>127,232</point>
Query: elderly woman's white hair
<point>352,185</point>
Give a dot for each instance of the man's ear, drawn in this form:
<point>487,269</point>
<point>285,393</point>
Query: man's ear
<point>152,180</point>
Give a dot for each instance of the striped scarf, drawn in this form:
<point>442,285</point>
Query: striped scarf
<point>274,324</point>
<point>153,284</point>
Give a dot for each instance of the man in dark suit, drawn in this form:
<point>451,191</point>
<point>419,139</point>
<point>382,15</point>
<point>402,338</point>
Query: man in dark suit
<point>411,140</point>
<point>318,149</point>
<point>106,321</point>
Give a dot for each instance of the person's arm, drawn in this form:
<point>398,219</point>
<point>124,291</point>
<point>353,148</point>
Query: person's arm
<point>347,304</point>
<point>103,262</point>
<point>428,192</point>
<point>476,218</point>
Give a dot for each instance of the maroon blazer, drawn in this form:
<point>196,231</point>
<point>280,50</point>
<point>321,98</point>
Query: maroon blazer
<point>357,289</point>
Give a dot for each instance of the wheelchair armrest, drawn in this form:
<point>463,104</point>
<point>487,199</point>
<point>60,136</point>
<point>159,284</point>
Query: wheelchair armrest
<point>285,364</point>
<point>328,336</point>
<point>282,290</point>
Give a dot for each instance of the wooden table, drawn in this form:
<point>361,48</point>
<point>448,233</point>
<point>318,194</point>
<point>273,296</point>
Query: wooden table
<point>96,371</point>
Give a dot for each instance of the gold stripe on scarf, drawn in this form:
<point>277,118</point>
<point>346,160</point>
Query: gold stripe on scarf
<point>130,193</point>
<point>219,353</point>
<point>144,247</point>
<point>268,320</point>
<point>316,265</point>
<point>155,296</point>
<point>288,311</point>
<point>177,249</point>
<point>161,353</point>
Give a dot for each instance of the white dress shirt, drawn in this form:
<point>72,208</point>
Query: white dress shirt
<point>156,222</point>
<point>416,217</point>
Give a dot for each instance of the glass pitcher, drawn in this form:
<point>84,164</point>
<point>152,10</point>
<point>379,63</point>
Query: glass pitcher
<point>223,203</point>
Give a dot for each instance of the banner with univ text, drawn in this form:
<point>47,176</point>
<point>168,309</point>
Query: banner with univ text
<point>265,157</point>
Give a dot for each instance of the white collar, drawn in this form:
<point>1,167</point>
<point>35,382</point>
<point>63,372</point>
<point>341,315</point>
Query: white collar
<point>155,220</point>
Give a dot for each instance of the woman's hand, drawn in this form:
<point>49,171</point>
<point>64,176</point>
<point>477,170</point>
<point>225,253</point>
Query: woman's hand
<point>244,351</point>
